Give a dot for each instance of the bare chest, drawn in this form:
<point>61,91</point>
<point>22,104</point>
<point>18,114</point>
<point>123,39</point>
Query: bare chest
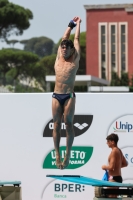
<point>65,67</point>
<point>115,156</point>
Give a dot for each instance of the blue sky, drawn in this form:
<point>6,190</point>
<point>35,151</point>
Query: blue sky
<point>51,17</point>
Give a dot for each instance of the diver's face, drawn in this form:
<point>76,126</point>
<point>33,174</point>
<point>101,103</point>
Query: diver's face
<point>110,143</point>
<point>66,51</point>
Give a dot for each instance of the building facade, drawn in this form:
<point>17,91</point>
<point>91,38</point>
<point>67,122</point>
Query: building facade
<point>109,40</point>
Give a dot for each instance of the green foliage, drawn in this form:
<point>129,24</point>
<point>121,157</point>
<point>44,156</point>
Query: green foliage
<point>13,42</point>
<point>15,63</point>
<point>10,76</point>
<point>115,80</point>
<point>123,81</point>
<point>48,64</point>
<point>19,88</point>
<point>16,58</point>
<point>39,74</point>
<point>42,46</point>
<point>82,38</point>
<point>13,49</point>
<point>44,67</point>
<point>3,3</point>
<point>130,89</point>
<point>14,19</point>
<point>10,88</point>
<point>131,84</point>
<point>131,80</point>
<point>82,88</point>
<point>55,48</point>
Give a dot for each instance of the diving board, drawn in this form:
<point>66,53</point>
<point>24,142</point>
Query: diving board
<point>89,181</point>
<point>102,188</point>
<point>15,183</point>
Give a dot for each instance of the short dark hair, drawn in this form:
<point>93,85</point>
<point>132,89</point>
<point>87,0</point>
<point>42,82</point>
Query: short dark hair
<point>113,137</point>
<point>68,43</point>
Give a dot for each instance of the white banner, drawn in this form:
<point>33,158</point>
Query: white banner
<point>26,144</point>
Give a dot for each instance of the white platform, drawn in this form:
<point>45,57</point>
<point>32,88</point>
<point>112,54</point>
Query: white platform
<point>95,198</point>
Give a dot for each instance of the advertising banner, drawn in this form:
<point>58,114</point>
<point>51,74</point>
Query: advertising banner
<point>27,150</point>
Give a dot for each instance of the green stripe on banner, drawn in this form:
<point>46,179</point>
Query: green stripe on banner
<point>80,155</point>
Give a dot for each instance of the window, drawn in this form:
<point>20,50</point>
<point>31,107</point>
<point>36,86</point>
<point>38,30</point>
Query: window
<point>123,48</point>
<point>113,48</point>
<point>103,67</point>
<point>103,50</point>
<point>123,66</point>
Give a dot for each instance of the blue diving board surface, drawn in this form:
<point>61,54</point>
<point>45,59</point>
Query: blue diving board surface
<point>89,181</point>
<point>2,183</point>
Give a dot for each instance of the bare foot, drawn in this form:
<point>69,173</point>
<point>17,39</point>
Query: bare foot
<point>65,162</point>
<point>58,162</point>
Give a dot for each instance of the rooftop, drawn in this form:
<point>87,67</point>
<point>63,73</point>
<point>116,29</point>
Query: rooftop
<point>93,84</point>
<point>83,79</point>
<point>127,7</point>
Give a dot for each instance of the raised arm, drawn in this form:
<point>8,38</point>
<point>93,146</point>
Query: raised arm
<point>71,25</point>
<point>77,35</point>
<point>67,33</point>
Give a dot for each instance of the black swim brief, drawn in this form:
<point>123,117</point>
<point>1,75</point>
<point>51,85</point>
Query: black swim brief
<point>117,179</point>
<point>63,97</point>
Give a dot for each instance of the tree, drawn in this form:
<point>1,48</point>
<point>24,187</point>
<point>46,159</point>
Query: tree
<point>16,63</point>
<point>48,64</point>
<point>13,42</point>
<point>39,74</point>
<point>115,80</point>
<point>14,19</point>
<point>124,81</point>
<point>131,80</point>
<point>44,67</point>
<point>42,46</point>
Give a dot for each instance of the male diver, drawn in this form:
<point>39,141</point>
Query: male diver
<point>63,98</point>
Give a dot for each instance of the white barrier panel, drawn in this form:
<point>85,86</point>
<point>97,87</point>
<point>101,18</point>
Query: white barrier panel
<point>26,144</point>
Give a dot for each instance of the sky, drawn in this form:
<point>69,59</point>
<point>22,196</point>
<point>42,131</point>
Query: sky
<point>51,17</point>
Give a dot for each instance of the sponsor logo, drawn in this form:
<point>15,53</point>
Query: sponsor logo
<point>129,159</point>
<point>81,124</point>
<point>123,127</point>
<point>61,189</point>
<point>128,153</point>
<point>68,187</point>
<point>79,156</point>
<point>60,196</point>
